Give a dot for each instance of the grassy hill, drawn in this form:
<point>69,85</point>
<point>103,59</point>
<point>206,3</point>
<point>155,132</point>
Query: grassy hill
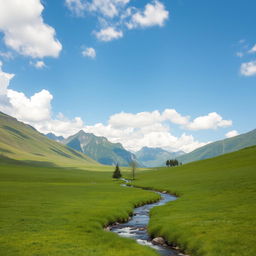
<point>215,214</point>
<point>99,149</point>
<point>22,142</point>
<point>220,147</point>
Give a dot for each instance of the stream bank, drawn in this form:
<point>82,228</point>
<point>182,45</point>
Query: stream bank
<point>136,227</point>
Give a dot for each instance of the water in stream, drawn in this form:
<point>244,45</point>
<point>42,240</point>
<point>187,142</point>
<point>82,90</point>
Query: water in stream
<point>136,227</point>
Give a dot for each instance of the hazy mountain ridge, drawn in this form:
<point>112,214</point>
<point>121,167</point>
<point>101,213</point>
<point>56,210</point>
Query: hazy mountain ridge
<point>100,148</point>
<point>220,147</point>
<point>154,157</point>
<point>52,136</point>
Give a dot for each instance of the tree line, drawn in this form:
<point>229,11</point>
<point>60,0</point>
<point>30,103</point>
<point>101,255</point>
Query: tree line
<point>172,163</point>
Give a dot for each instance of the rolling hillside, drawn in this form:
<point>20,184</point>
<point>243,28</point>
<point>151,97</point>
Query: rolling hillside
<point>220,147</point>
<point>155,157</point>
<point>22,142</point>
<point>215,213</point>
<point>99,149</point>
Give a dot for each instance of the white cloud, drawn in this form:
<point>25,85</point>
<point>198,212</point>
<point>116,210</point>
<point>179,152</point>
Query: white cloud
<point>108,34</point>
<point>34,110</point>
<point>109,8</point>
<point>152,129</point>
<point>5,79</point>
<point>25,31</point>
<point>37,108</point>
<point>76,6</point>
<point>142,119</point>
<point>248,68</point>
<point>89,52</point>
<point>7,55</point>
<point>38,64</point>
<point>122,120</point>
<point>231,134</point>
<point>211,121</point>
<point>114,16</point>
<point>60,126</point>
<point>176,118</point>
<point>154,14</point>
<point>152,135</point>
<point>253,50</point>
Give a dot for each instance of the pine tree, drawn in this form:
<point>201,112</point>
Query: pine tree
<point>117,173</point>
<point>168,163</point>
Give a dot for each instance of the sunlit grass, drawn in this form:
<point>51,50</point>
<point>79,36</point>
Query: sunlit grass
<point>215,214</point>
<point>54,211</point>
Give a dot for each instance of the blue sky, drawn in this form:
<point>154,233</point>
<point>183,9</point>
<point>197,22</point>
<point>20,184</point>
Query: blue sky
<point>196,57</point>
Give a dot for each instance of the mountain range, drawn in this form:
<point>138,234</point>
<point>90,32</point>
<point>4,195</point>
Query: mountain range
<point>99,149</point>
<point>154,157</point>
<point>105,152</point>
<point>220,147</point>
<point>19,141</point>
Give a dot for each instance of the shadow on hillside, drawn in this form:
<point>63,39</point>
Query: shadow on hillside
<point>7,160</point>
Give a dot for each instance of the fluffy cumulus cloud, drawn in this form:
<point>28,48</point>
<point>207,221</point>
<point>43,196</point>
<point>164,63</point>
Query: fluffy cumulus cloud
<point>60,125</point>
<point>232,133</point>
<point>133,130</point>
<point>108,34</point>
<point>154,14</point>
<point>211,121</point>
<point>176,118</point>
<point>24,30</point>
<point>89,52</point>
<point>34,110</point>
<point>152,129</point>
<point>253,49</point>
<point>150,135</point>
<point>116,15</point>
<point>248,68</point>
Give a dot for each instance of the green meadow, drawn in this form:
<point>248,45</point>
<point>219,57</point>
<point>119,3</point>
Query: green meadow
<point>54,211</point>
<point>215,214</point>
<point>55,201</point>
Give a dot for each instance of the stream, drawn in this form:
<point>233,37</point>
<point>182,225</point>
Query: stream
<point>136,227</point>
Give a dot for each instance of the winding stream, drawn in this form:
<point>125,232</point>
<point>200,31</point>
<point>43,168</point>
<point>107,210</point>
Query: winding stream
<point>136,227</point>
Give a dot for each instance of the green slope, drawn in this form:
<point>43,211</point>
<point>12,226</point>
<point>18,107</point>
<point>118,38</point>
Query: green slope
<point>220,147</point>
<point>22,142</point>
<point>99,148</point>
<point>215,214</point>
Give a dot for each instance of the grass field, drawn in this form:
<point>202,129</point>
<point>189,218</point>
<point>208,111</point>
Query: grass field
<point>216,212</point>
<point>54,211</point>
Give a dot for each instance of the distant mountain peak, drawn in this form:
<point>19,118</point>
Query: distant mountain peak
<point>99,148</point>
